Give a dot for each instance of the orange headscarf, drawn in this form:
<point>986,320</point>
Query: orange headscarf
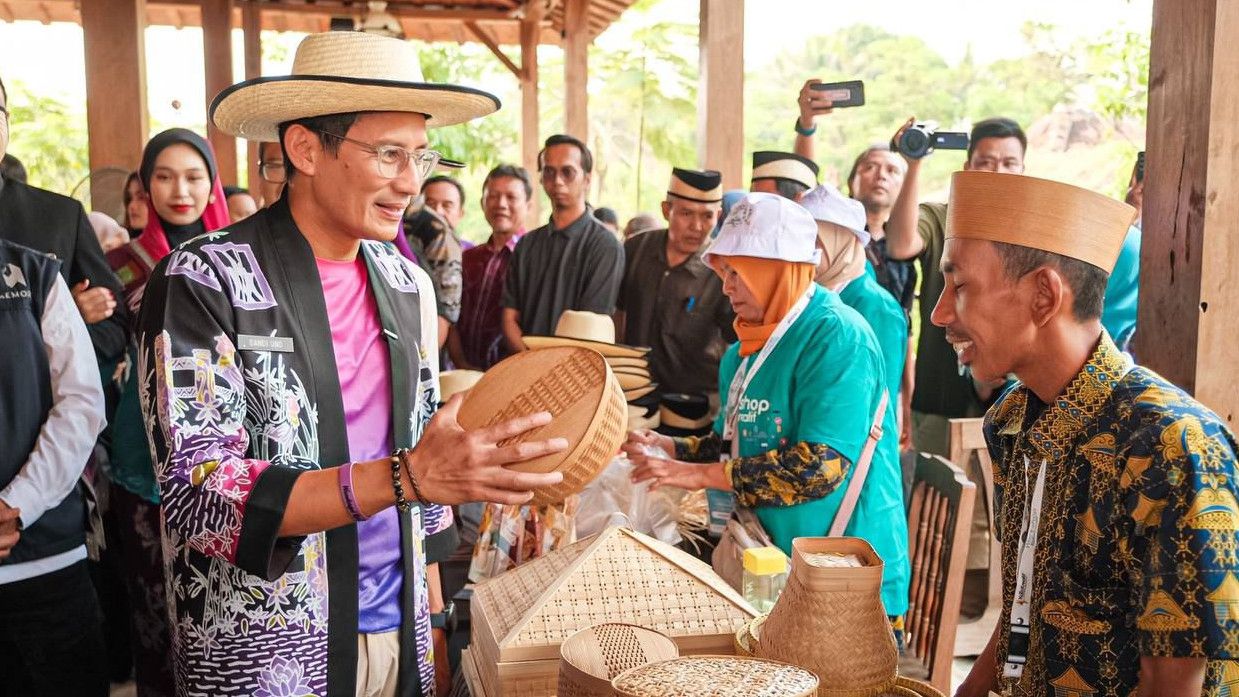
<point>777,285</point>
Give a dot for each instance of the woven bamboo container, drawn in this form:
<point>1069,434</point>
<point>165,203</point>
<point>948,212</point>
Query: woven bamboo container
<point>579,390</point>
<point>716,676</point>
<point>830,620</point>
<point>593,656</point>
<point>520,619</point>
<point>746,637</point>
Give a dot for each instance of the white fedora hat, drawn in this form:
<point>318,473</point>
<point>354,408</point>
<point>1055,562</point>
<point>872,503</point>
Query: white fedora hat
<point>340,72</point>
<point>590,330</point>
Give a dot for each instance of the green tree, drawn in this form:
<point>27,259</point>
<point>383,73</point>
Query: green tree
<point>49,138</point>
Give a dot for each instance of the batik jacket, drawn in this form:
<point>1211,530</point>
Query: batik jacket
<point>240,395</point>
<point>1137,546</point>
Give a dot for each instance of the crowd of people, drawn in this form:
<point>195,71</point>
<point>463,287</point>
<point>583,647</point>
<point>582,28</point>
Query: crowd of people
<point>228,467</point>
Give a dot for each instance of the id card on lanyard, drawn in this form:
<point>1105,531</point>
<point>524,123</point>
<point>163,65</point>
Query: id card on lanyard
<point>1019,621</point>
<point>745,372</point>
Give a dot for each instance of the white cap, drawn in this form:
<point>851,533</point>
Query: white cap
<point>828,205</point>
<point>766,226</point>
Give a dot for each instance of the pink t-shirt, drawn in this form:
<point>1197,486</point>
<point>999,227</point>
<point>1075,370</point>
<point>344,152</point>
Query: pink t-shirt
<point>364,368</point>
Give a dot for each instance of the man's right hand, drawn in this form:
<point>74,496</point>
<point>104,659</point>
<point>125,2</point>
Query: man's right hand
<point>95,304</point>
<point>9,534</point>
<point>455,466</point>
<point>912,162</point>
<point>812,104</point>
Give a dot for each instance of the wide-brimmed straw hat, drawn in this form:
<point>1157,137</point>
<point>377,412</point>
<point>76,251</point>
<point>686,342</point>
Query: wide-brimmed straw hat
<point>341,72</point>
<point>586,330</point>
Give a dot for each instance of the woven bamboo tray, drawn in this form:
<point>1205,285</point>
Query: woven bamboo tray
<point>520,619</point>
<point>577,387</point>
<point>593,656</point>
<point>716,676</point>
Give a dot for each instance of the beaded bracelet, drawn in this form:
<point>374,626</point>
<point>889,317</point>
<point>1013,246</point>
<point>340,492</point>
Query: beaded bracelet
<point>402,454</point>
<point>401,502</point>
<point>347,493</point>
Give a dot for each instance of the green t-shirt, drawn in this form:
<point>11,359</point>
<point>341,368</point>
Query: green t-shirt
<point>822,384</point>
<point>888,322</point>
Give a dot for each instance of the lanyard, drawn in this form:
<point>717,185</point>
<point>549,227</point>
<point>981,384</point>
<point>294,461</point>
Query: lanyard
<point>1019,620</point>
<point>749,367</point>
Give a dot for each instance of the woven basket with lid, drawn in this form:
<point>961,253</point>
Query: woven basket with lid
<point>716,676</point>
<point>593,656</point>
<point>579,390</point>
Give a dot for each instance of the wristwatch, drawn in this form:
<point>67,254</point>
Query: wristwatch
<point>445,620</point>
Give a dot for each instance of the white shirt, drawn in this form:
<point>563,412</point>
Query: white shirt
<point>68,435</point>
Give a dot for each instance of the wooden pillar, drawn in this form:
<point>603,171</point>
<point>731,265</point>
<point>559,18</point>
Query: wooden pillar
<point>576,68</point>
<point>116,114</point>
<point>251,25</point>
<point>531,31</point>
<point>1190,249</point>
<point>720,90</point>
<point>217,54</point>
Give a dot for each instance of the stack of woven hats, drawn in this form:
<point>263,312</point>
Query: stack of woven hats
<point>629,364</point>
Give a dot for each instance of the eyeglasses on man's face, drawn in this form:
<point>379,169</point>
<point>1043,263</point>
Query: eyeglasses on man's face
<point>272,171</point>
<point>393,160</point>
<point>568,173</point>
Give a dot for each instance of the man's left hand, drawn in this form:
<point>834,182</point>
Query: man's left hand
<point>812,104</point>
<point>661,471</point>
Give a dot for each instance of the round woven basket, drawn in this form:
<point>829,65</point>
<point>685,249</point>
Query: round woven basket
<point>593,656</point>
<point>716,676</point>
<point>843,607</point>
<point>746,636</point>
<point>576,386</point>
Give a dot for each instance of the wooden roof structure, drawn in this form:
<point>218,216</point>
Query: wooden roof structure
<point>456,21</point>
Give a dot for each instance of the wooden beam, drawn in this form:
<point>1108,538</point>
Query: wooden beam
<point>531,28</point>
<point>251,25</point>
<point>217,50</point>
<point>350,7</point>
<point>1188,308</point>
<point>483,36</point>
<point>720,91</point>
<point>576,68</point>
<point>116,114</point>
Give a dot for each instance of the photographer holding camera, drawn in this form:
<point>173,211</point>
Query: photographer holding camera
<point>943,391</point>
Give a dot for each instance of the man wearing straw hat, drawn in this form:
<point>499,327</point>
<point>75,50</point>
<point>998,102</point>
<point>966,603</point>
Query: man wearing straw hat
<point>1115,490</point>
<point>288,366</point>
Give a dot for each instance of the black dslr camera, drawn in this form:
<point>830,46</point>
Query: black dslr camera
<point>923,138</point>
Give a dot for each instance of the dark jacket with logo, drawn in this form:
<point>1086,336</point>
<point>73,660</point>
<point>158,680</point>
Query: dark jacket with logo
<point>26,279</point>
<point>57,225</point>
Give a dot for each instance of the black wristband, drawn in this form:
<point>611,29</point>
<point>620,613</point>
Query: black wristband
<point>417,490</point>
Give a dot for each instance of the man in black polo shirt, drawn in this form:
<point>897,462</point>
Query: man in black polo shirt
<point>669,299</point>
<point>571,263</point>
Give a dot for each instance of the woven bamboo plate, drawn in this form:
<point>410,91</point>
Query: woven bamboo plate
<point>593,656</point>
<point>716,676</point>
<point>629,362</point>
<point>576,386</point>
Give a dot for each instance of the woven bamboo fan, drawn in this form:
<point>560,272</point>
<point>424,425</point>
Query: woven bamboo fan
<point>576,386</point>
<point>520,619</point>
<point>593,656</point>
<point>716,676</point>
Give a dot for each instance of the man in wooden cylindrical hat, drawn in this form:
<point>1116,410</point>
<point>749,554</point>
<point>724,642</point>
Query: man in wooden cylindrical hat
<point>669,299</point>
<point>289,365</point>
<point>1116,495</point>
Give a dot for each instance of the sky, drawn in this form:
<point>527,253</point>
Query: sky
<point>51,57</point>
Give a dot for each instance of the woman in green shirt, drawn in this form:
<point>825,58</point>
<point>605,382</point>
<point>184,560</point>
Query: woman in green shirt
<point>799,394</point>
